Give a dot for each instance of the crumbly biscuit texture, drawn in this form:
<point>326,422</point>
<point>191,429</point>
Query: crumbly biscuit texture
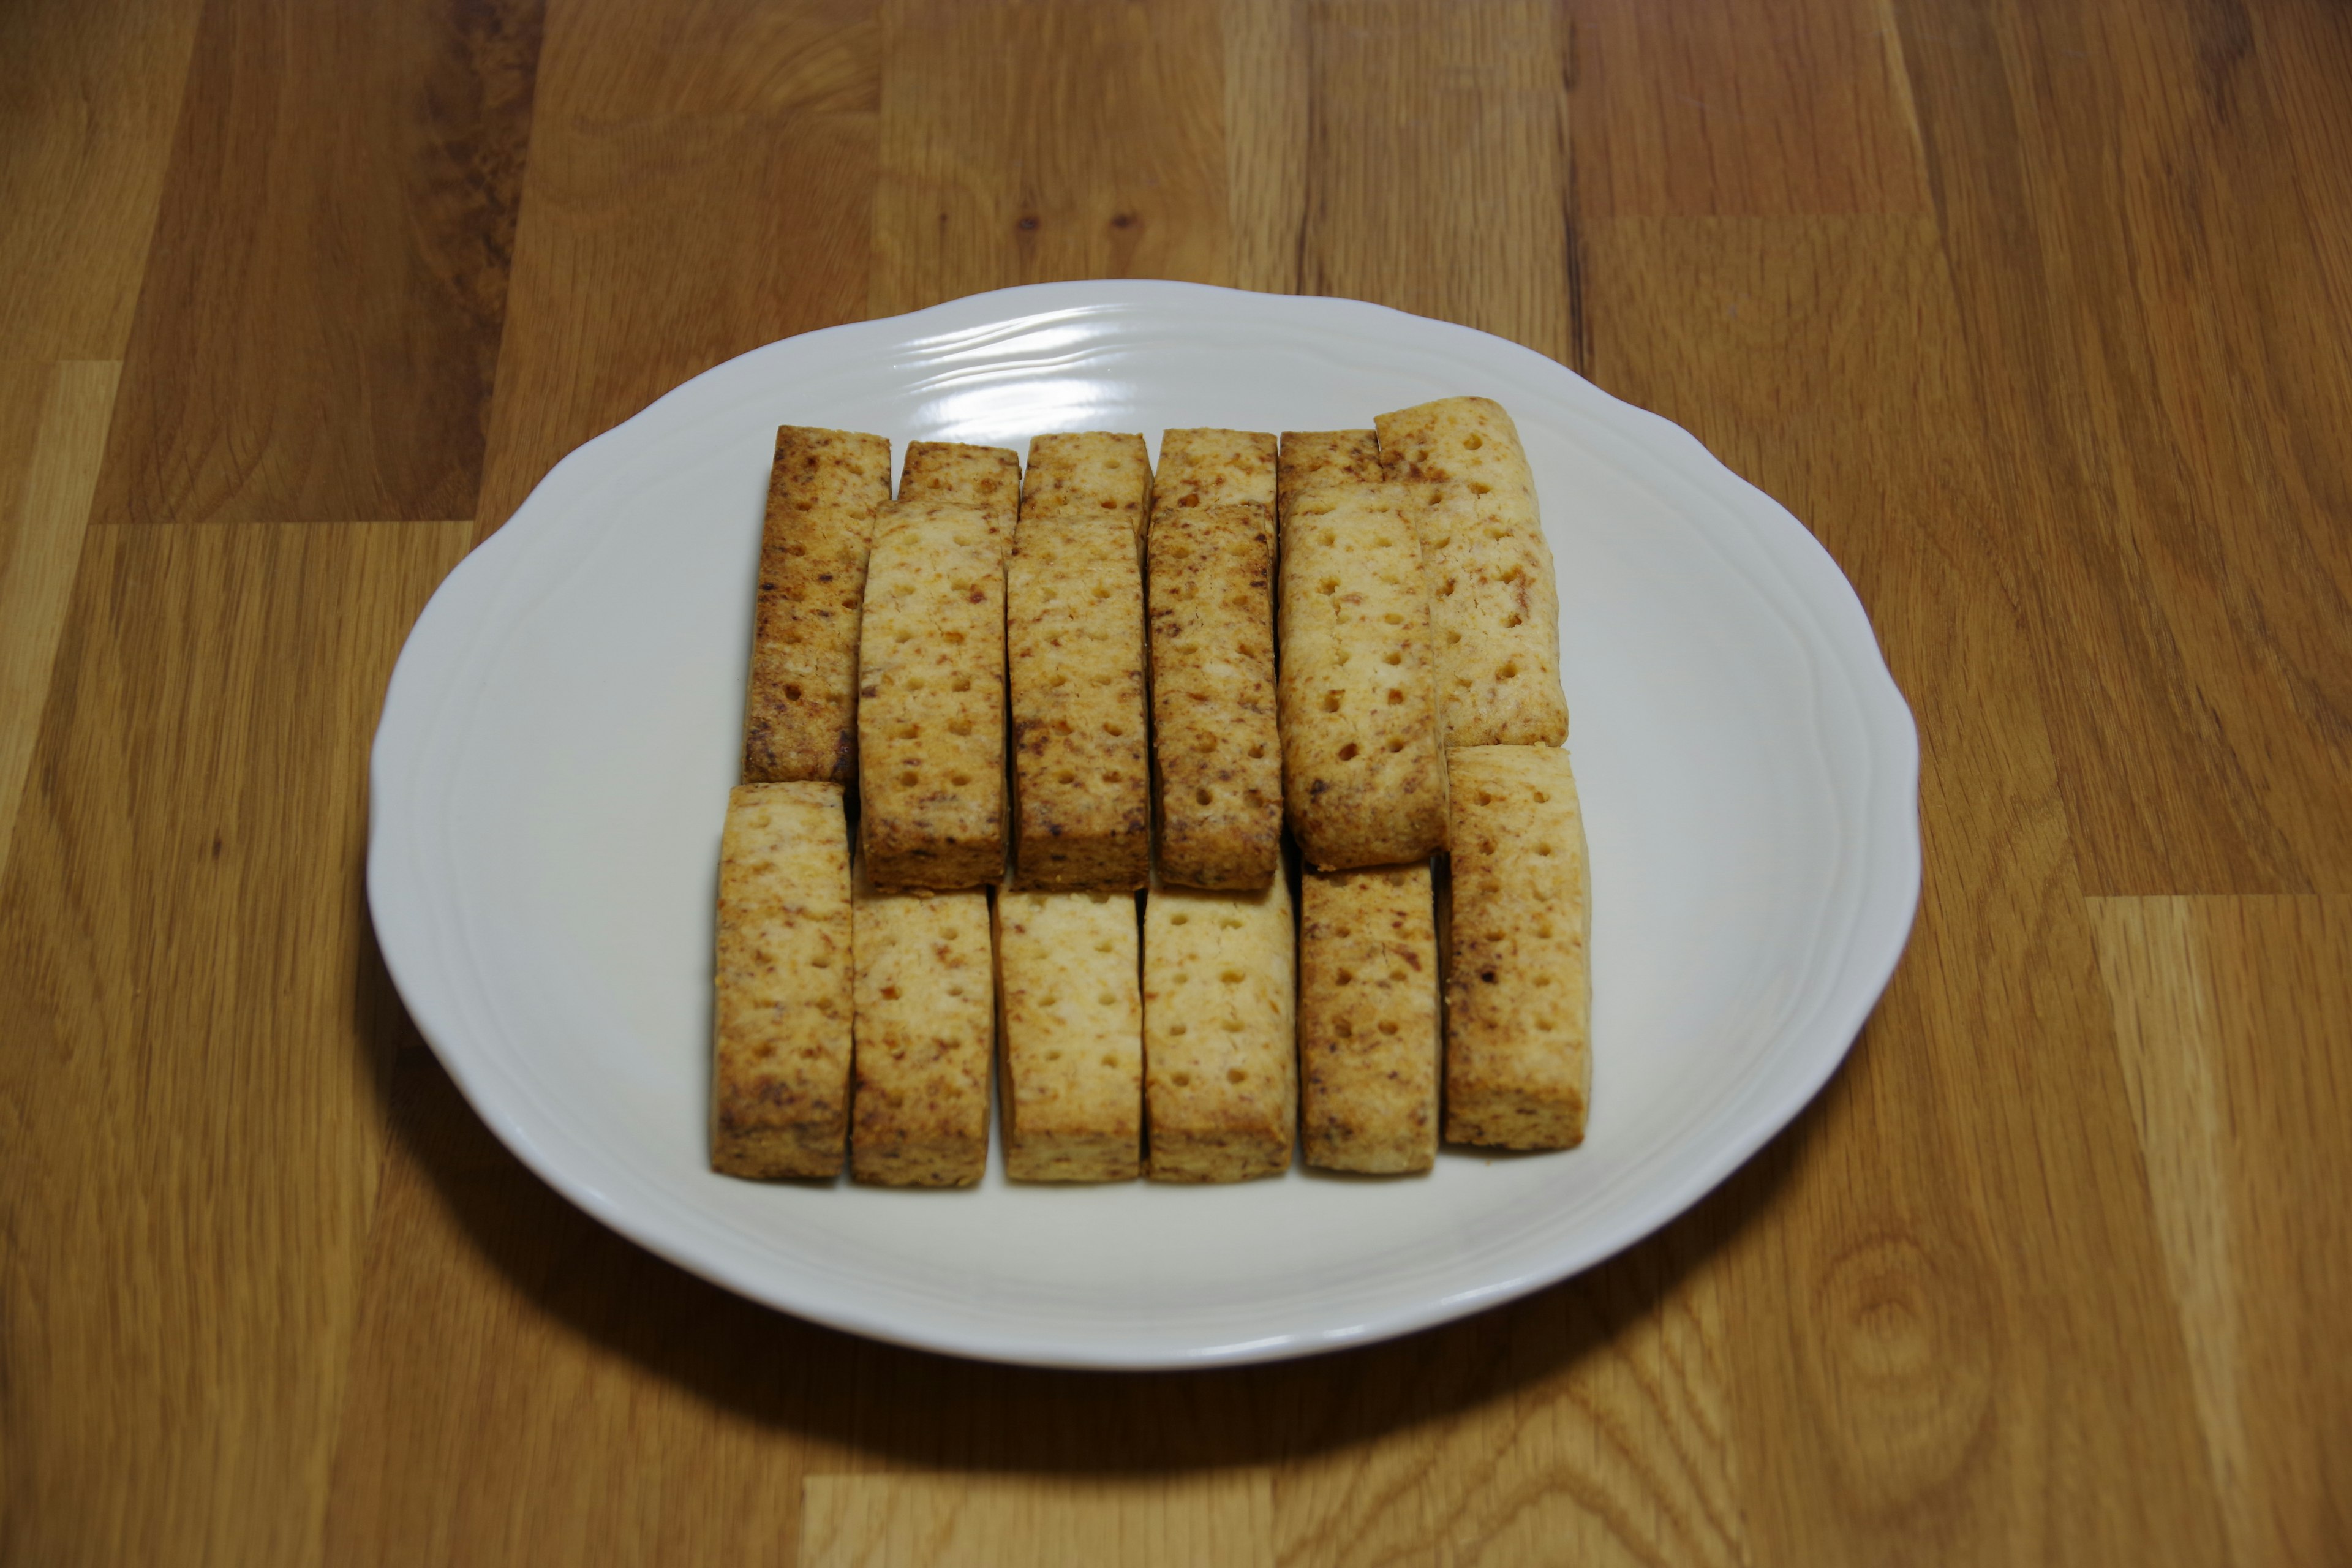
<point>1075,642</point>
<point>1219,1010</point>
<point>1203,468</point>
<point>1089,473</point>
<point>1363,762</point>
<point>1368,1019</point>
<point>1518,984</point>
<point>988,477</point>
<point>782,1014</point>
<point>930,714</point>
<point>1313,461</point>
<point>800,706</point>
<point>1466,440</point>
<point>925,1020</point>
<point>1212,695</point>
<point>1071,1034</point>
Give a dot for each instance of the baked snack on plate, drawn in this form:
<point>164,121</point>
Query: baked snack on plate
<point>1519,981</point>
<point>1367,1018</point>
<point>799,707</point>
<point>1363,760</point>
<point>1218,773</point>
<point>1071,1036</point>
<point>780,1024</point>
<point>1494,602</point>
<point>930,713</point>
<point>926,1032</point>
<point>988,477</point>
<point>1221,1071</point>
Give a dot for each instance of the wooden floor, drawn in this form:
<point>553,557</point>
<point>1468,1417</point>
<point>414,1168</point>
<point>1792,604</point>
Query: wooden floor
<point>2038,312</point>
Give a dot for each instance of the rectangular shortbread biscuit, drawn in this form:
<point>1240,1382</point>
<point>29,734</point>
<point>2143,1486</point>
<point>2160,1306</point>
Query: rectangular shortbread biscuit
<point>1367,1023</point>
<point>1089,473</point>
<point>782,1019</point>
<point>930,712</point>
<point>1071,1036</point>
<point>1220,1073</point>
<point>1519,978</point>
<point>1494,602</point>
<point>1081,758</point>
<point>1317,461</point>
<point>1212,695</point>
<point>986,476</point>
<point>1363,762</point>
<point>799,707</point>
<point>926,1028</point>
<point>1202,468</point>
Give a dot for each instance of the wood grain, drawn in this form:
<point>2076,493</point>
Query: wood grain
<point>2139,268</point>
<point>701,181</point>
<point>198,1034</point>
<point>85,138</point>
<point>2228,1014</point>
<point>920,1522</point>
<point>318,332</point>
<point>1976,1158</point>
<point>1025,141</point>
<point>52,429</point>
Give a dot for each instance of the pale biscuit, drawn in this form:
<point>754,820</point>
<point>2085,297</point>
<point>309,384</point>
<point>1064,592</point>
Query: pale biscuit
<point>1317,461</point>
<point>1363,763</point>
<point>926,1021</point>
<point>1494,602</point>
<point>1219,756</point>
<point>1089,473</point>
<point>1071,1036</point>
<point>1075,645</point>
<point>1221,1071</point>
<point>1367,1018</point>
<point>1202,468</point>
<point>988,477</point>
<point>782,1012</point>
<point>800,705</point>
<point>930,716</point>
<point>1518,980</point>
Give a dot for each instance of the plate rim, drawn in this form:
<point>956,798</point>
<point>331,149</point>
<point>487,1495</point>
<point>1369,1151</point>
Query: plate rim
<point>1886,901</point>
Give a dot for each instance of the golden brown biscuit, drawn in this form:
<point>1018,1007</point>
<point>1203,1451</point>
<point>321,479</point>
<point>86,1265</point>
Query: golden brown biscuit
<point>1202,468</point>
<point>1072,1035</point>
<point>1367,1018</point>
<point>1363,763</point>
<point>926,1029</point>
<point>1317,461</point>
<point>986,476</point>
<point>1221,1072</point>
<point>930,715</point>
<point>1494,602</point>
<point>1212,695</point>
<point>1091,475</point>
<point>781,1023</point>
<point>1075,645</point>
<point>799,707</point>
<point>1518,980</point>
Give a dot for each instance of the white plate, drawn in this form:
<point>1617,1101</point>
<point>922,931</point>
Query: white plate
<point>558,741</point>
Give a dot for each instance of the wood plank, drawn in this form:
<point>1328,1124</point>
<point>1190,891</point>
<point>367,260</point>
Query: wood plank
<point>2230,1014</point>
<point>198,1032</point>
<point>1961,1306</point>
<point>319,324</point>
<point>94,93</point>
<point>52,429</point>
<point>1737,110</point>
<point>1265,121</point>
<point>701,183</point>
<point>1587,1425</point>
<point>1024,143</point>
<point>1437,173</point>
<point>527,1387</point>
<point>920,1522</point>
<point>2154,288</point>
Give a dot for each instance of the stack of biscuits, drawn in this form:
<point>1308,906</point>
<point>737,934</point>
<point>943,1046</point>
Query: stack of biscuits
<point>1065,716</point>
